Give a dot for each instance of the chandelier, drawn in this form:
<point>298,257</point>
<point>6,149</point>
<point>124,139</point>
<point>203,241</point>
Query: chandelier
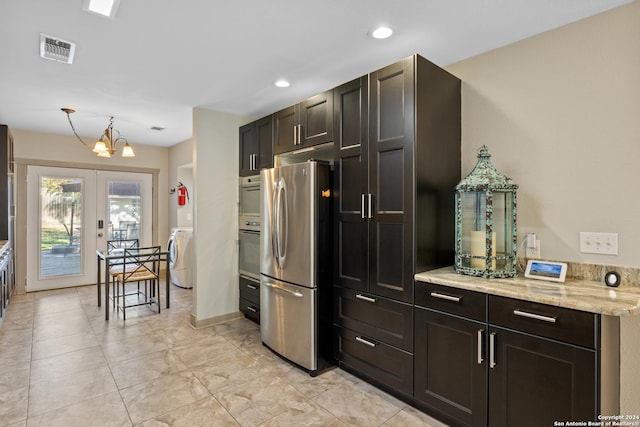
<point>106,145</point>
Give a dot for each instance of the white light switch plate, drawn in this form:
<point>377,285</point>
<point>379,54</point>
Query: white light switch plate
<point>599,243</point>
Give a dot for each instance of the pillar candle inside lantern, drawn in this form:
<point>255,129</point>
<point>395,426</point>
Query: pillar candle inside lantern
<point>479,248</point>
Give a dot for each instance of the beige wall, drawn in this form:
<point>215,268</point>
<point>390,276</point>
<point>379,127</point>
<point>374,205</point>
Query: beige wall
<point>215,172</point>
<point>559,113</point>
<point>59,150</point>
<point>181,170</point>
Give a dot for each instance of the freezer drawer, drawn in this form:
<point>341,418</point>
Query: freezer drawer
<point>288,321</point>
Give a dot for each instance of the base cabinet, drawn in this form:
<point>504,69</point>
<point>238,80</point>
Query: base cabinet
<point>250,299</point>
<point>536,381</point>
<point>450,370</point>
<point>484,360</point>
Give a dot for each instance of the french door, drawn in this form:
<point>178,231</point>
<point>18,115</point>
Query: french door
<point>71,213</point>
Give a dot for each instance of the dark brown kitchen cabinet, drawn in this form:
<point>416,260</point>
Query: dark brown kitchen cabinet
<point>351,181</point>
<point>397,152</point>
<point>485,360</point>
<point>450,370</point>
<point>256,146</point>
<point>450,353</point>
<point>250,298</point>
<point>305,124</point>
<point>397,160</point>
<point>543,364</point>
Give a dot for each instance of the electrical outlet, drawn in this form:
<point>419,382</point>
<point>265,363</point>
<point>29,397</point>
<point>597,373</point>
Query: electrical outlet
<point>534,252</point>
<point>599,243</point>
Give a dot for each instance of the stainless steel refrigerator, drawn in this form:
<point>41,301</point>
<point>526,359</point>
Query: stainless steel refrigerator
<point>295,263</point>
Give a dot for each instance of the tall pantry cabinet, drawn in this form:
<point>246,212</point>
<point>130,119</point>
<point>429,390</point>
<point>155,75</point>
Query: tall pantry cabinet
<point>397,150</point>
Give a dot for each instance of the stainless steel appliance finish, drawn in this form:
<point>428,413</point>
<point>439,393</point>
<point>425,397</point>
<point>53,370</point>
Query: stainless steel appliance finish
<point>249,254</point>
<point>295,265</point>
<point>249,207</point>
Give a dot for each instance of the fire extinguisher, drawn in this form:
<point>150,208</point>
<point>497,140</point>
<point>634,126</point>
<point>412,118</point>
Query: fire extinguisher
<point>183,194</point>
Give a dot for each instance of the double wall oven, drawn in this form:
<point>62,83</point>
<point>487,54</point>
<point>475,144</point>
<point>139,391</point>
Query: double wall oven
<point>249,246</point>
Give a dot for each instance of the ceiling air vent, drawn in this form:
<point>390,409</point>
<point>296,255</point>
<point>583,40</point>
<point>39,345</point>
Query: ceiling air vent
<point>56,49</point>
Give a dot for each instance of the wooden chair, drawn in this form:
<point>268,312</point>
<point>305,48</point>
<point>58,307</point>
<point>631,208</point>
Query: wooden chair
<point>137,265</point>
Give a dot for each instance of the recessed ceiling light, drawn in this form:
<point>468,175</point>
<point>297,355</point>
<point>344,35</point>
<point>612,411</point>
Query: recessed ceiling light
<point>381,32</point>
<point>282,83</point>
<point>106,8</point>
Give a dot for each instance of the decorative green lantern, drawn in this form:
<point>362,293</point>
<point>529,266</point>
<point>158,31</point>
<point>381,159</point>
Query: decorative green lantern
<point>486,221</point>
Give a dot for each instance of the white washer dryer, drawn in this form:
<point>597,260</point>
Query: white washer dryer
<point>180,247</point>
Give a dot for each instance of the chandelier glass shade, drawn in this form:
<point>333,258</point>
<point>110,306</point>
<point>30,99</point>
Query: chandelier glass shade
<point>106,145</point>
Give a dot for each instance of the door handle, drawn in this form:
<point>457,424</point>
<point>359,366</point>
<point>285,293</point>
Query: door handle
<point>100,234</point>
<point>252,287</point>
<point>370,196</point>
<point>295,135</point>
<point>299,134</point>
<point>480,358</point>
<point>492,349</point>
<point>251,309</point>
<point>362,213</point>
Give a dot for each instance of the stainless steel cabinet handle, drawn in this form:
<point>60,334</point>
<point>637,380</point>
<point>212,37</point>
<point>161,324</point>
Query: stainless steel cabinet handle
<point>252,309</point>
<point>365,298</point>
<point>492,345</point>
<point>534,316</point>
<point>365,342</point>
<point>362,213</point>
<point>480,358</point>
<point>446,297</point>
<point>299,134</point>
<point>295,134</point>
<point>370,196</point>
<point>252,287</point>
<point>294,293</point>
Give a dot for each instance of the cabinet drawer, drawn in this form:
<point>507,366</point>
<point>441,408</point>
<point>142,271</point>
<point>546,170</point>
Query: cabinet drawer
<point>250,310</point>
<point>250,290</point>
<point>382,319</point>
<point>452,300</point>
<point>380,362</point>
<point>563,324</point>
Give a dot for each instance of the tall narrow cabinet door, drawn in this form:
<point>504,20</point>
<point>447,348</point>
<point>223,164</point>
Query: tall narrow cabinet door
<point>351,184</point>
<point>285,130</point>
<point>248,148</point>
<point>264,142</point>
<point>391,138</point>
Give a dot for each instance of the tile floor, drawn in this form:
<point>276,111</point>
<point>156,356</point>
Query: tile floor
<point>62,364</point>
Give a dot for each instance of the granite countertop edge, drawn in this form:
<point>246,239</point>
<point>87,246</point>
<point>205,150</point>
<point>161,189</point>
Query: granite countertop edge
<point>584,295</point>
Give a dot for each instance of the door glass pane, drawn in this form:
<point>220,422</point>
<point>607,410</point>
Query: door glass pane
<point>124,207</point>
<point>60,226</point>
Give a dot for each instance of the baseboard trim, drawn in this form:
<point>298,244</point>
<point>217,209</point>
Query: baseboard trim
<point>203,323</point>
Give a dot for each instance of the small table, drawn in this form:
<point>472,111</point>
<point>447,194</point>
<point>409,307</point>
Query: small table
<point>106,258</point>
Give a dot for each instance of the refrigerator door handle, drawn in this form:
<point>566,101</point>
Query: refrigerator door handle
<point>280,288</point>
<point>272,223</point>
<point>283,232</point>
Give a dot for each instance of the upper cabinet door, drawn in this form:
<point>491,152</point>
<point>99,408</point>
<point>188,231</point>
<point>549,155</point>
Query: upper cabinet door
<point>285,130</point>
<point>391,138</point>
<point>264,138</point>
<point>316,119</point>
<point>256,141</point>
<point>305,124</point>
<point>248,148</point>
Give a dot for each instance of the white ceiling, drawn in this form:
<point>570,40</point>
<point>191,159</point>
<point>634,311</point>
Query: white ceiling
<point>160,58</point>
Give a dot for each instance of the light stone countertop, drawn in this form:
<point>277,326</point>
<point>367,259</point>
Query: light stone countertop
<point>585,295</point>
